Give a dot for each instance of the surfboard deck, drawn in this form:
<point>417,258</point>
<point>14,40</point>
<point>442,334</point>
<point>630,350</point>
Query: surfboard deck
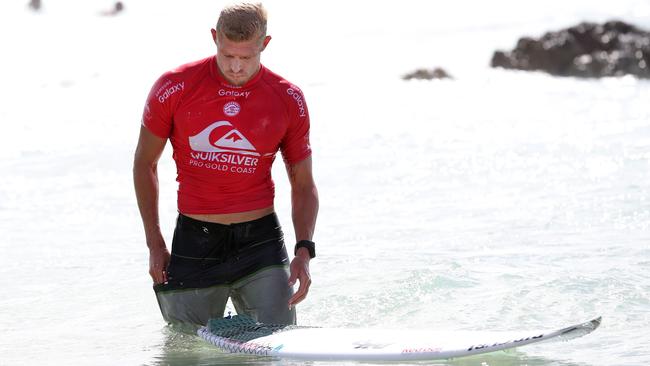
<point>242,335</point>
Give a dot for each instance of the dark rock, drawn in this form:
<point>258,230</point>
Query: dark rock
<point>618,26</point>
<point>587,50</point>
<point>35,5</point>
<point>500,59</point>
<point>427,74</point>
<point>118,7</point>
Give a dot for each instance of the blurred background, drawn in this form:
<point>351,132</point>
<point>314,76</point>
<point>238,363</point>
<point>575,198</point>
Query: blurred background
<point>492,200</point>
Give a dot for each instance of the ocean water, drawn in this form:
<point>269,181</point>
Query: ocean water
<point>498,200</point>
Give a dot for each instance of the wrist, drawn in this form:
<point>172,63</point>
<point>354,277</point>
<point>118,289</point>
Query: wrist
<point>305,248</point>
<point>303,253</point>
<point>156,244</point>
<point>157,250</point>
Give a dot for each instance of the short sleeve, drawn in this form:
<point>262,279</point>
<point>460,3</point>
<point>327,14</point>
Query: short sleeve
<point>295,145</point>
<point>158,114</point>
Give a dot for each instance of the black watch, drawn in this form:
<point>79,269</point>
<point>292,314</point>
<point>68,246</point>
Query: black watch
<point>310,245</point>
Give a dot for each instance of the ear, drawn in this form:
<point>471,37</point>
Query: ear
<point>266,41</point>
<point>214,35</point>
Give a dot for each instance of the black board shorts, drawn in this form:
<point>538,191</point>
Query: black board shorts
<point>212,262</point>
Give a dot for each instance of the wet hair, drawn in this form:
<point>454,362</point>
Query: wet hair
<point>242,21</point>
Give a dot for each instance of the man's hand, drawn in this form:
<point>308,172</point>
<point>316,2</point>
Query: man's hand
<point>300,271</point>
<point>158,261</point>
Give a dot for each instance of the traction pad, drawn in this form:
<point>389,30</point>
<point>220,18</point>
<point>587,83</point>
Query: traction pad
<point>243,328</point>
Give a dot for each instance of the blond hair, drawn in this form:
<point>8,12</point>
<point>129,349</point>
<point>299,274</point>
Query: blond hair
<point>242,21</point>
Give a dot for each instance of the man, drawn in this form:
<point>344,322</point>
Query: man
<point>226,116</point>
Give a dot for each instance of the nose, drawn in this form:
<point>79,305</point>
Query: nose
<point>235,65</point>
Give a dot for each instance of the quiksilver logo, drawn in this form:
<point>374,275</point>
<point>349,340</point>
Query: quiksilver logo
<point>232,152</point>
<point>231,140</point>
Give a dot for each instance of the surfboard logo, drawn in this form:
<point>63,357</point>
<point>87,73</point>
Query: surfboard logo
<point>370,345</point>
<point>231,109</point>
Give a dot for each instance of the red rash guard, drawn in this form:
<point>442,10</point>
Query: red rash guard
<point>225,137</point>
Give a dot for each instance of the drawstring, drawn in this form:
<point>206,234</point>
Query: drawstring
<point>231,246</point>
<point>226,248</point>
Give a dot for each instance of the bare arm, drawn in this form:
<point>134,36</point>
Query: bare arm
<point>304,210</point>
<point>304,199</point>
<point>145,179</point>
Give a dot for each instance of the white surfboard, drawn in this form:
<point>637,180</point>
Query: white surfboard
<point>242,335</point>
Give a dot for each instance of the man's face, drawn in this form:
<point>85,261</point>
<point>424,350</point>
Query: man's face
<point>239,61</point>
